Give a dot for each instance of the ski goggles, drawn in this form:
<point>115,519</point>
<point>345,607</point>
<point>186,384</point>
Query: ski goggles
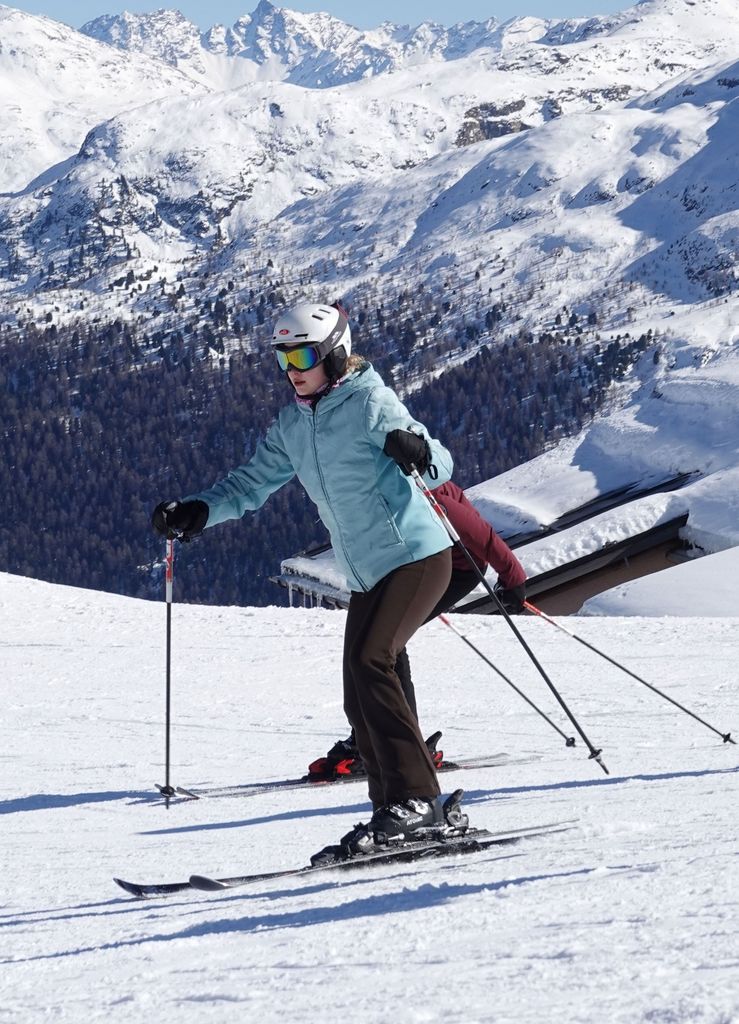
<point>305,357</point>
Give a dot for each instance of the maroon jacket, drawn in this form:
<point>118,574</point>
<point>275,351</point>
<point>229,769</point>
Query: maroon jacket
<point>478,536</point>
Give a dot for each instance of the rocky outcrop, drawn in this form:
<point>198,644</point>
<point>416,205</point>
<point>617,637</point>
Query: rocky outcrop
<point>490,121</point>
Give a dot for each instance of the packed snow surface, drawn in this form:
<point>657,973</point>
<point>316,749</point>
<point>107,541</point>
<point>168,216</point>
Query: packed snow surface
<point>630,916</point>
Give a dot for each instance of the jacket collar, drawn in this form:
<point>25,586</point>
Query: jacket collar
<point>359,380</point>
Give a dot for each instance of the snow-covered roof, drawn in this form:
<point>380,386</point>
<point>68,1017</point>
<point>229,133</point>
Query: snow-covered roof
<point>318,574</point>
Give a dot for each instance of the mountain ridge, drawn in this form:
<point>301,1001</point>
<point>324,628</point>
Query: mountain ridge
<point>272,167</point>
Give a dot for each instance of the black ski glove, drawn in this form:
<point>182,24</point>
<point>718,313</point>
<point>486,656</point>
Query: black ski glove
<point>512,598</point>
<point>406,448</point>
<point>183,519</point>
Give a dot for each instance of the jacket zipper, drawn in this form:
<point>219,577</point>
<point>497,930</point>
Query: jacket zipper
<point>328,502</point>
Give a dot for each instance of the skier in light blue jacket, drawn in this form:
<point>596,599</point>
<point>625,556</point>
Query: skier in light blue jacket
<point>351,442</point>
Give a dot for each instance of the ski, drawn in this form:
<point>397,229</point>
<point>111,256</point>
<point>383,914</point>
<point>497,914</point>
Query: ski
<point>149,891</point>
<point>471,841</point>
<point>257,788</point>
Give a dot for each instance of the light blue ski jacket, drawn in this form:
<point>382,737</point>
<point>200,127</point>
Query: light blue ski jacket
<point>377,517</point>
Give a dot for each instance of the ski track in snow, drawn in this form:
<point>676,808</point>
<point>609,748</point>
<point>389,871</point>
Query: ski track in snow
<point>631,916</point>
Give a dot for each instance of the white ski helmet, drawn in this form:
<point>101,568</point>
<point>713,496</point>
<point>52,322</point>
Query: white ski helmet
<point>311,333</point>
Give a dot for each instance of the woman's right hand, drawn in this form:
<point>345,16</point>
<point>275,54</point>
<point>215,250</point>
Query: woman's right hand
<point>183,519</point>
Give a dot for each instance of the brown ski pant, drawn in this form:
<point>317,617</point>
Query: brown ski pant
<point>379,624</point>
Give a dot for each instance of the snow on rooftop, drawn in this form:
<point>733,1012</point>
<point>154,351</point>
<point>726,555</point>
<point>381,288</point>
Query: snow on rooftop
<point>705,587</point>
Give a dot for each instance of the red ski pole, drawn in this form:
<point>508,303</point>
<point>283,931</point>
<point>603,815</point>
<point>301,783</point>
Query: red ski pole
<point>167,790</point>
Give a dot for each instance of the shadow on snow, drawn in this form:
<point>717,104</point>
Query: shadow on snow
<point>474,796</point>
<point>50,801</point>
<point>425,897</point>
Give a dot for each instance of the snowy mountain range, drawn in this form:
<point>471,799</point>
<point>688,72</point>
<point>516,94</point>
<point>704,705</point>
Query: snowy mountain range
<point>272,43</point>
<point>516,146</point>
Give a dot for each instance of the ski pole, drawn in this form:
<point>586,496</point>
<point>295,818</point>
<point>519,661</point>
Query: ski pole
<point>456,539</point>
<point>167,790</point>
<point>725,736</point>
<point>569,740</point>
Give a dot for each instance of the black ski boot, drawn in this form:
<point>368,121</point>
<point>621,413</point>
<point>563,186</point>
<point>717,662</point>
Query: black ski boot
<point>402,821</point>
<point>399,823</point>
<point>390,823</point>
<point>342,759</point>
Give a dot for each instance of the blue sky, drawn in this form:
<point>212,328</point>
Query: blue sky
<point>77,12</point>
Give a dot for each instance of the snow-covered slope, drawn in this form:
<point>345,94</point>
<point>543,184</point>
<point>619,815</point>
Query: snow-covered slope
<point>629,916</point>
<point>56,84</point>
<point>519,160</point>
<point>186,168</point>
<point>706,587</point>
<point>600,209</point>
<point>684,418</point>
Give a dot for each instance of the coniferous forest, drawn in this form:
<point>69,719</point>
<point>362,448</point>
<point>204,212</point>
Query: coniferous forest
<point>99,423</point>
